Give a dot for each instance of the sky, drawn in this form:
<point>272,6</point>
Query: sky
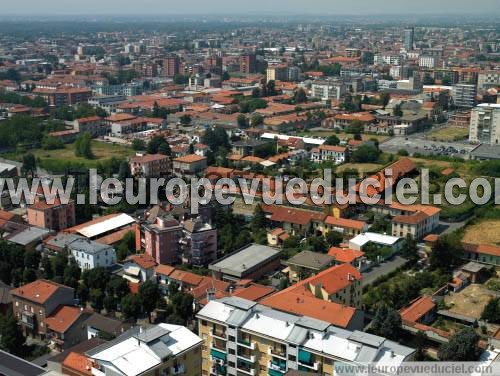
<point>351,7</point>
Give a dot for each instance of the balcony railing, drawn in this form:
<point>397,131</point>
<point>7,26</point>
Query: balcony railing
<point>218,333</point>
<point>277,352</point>
<point>246,343</point>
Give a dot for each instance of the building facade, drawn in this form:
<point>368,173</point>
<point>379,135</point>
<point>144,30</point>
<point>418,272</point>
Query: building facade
<point>485,124</point>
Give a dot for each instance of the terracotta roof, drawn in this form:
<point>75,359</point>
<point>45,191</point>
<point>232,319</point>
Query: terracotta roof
<point>345,223</point>
<point>337,149</point>
<point>284,214</point>
<point>164,269</point>
<point>78,363</point>
<point>254,292</point>
<point>418,308</point>
<point>302,303</point>
<point>92,222</point>
<point>345,254</point>
<point>431,238</point>
<point>144,260</point>
<point>186,277</point>
<point>63,318</point>
<point>116,236</point>
<point>148,158</point>
<point>411,219</point>
<point>38,291</point>
<point>89,119</point>
<point>483,249</point>
<point>447,171</point>
<point>191,158</point>
<point>334,279</point>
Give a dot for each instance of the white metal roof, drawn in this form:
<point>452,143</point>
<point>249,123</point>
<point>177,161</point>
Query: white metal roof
<point>374,237</point>
<point>110,224</point>
<point>307,140</point>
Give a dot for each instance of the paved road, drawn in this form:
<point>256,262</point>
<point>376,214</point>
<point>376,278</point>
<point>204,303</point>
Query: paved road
<point>382,269</point>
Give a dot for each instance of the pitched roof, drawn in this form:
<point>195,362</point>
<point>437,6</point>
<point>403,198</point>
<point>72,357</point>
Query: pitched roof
<point>334,279</point>
<point>486,249</point>
<point>254,292</point>
<point>78,363</point>
<point>144,260</point>
<point>186,277</point>
<point>297,216</point>
<point>63,318</point>
<point>38,291</point>
<point>345,223</point>
<point>418,308</point>
<point>312,260</point>
<point>191,158</point>
<point>346,255</point>
<point>164,270</point>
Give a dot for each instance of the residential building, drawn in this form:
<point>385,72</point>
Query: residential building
<point>325,90</point>
<point>250,262</point>
<point>427,61</point>
<point>485,124</point>
<point>379,240</point>
<point>464,95</point>
<point>64,326</point>
<point>159,238</point>
<point>89,254</point>
<point>98,325</point>
<point>488,79</point>
<point>35,301</point>
<point>248,63</point>
<point>199,242</point>
<point>67,96</point>
<point>56,216</point>
<point>277,73</point>
<point>150,165</point>
<point>171,65</point>
<point>13,365</point>
<point>483,253</point>
<point>243,337</point>
<point>335,154</point>
<point>163,349</point>
<point>139,268</point>
<point>349,256</point>
<point>94,125</point>
<point>189,165</point>
<point>307,263</point>
<point>408,39</point>
<point>347,227</point>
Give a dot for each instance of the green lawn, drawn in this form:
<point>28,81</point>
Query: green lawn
<point>447,134</point>
<point>102,152</point>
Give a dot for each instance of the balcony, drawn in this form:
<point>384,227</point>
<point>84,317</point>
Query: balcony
<point>218,356</point>
<point>306,361</point>
<point>218,370</point>
<point>218,334</point>
<point>275,372</point>
<point>247,344</point>
<point>278,353</point>
<point>246,368</point>
<point>277,365</point>
<point>247,357</point>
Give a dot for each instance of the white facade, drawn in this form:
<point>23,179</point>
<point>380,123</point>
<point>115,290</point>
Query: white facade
<point>427,61</point>
<point>89,254</point>
<point>328,90</point>
<point>485,124</point>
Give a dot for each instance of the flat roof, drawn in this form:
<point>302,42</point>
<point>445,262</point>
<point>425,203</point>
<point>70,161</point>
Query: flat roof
<point>11,365</point>
<point>311,260</point>
<point>244,260</point>
<point>110,224</point>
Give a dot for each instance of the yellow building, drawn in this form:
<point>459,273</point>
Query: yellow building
<point>241,337</point>
<point>163,349</point>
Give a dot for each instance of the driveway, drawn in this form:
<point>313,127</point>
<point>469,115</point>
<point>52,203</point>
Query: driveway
<point>382,269</point>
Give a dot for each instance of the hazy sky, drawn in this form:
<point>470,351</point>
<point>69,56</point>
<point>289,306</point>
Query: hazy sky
<point>253,6</point>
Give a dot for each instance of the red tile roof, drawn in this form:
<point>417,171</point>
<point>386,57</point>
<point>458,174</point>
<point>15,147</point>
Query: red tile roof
<point>345,223</point>
<point>334,279</point>
<point>78,363</point>
<point>486,249</point>
<point>254,292</point>
<point>191,158</point>
<point>144,260</point>
<point>289,215</point>
<point>186,277</point>
<point>346,255</point>
<point>63,318</point>
<point>418,308</point>
<point>38,291</point>
<point>164,270</point>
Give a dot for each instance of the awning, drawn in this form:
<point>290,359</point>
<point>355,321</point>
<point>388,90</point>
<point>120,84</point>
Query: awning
<point>218,354</point>
<point>305,357</point>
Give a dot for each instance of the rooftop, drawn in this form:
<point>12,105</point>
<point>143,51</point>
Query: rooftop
<point>38,291</point>
<point>311,260</point>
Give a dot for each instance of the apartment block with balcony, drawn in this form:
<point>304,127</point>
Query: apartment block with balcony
<point>34,302</point>
<point>485,124</point>
<point>241,337</point>
<point>160,350</point>
<point>159,238</point>
<point>56,216</point>
<point>199,242</point>
<point>150,165</point>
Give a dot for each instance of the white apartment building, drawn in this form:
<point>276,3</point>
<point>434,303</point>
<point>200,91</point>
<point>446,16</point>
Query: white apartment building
<point>387,59</point>
<point>427,61</point>
<point>485,124</point>
<point>325,90</point>
<point>89,254</point>
<point>242,337</point>
<point>336,154</point>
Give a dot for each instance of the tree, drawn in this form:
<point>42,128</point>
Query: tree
<point>317,244</point>
<point>185,119</point>
<point>242,121</point>
<point>124,171</point>
<point>149,294</point>
<point>386,323</point>
<point>332,140</point>
<point>131,306</point>
<point>271,88</point>
<point>403,153</point>
<point>83,146</point>
<point>29,165</point>
<point>11,337</point>
<point>158,144</point>
<point>256,92</point>
<point>365,154</point>
<point>300,96</point>
<point>96,298</point>
<point>446,253</point>
<point>334,238</point>
<point>491,312</point>
<point>138,144</point>
<point>52,143</point>
<point>259,220</point>
<point>409,249</point>
<point>256,120</point>
<point>462,347</point>
<point>125,246</point>
<point>397,111</point>
<point>47,268</point>
<point>385,98</point>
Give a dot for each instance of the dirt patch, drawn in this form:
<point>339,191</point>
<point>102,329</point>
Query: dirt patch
<point>470,301</point>
<point>486,232</point>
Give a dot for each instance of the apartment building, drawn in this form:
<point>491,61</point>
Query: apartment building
<point>69,96</point>
<point>163,349</point>
<point>159,238</point>
<point>56,216</point>
<point>488,79</point>
<point>248,63</point>
<point>464,95</point>
<point>485,124</point>
<point>34,302</point>
<point>325,90</point>
<point>189,165</point>
<point>150,165</point>
<point>241,337</point>
<point>199,242</point>
<point>336,154</point>
<point>414,220</point>
<point>277,73</point>
<point>94,125</point>
<point>89,254</point>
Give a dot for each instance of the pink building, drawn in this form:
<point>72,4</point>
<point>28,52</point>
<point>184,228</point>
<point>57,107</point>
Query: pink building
<point>54,216</point>
<point>160,239</point>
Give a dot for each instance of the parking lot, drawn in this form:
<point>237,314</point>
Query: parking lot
<point>415,144</point>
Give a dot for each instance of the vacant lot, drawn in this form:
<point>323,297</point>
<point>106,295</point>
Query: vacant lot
<point>448,134</point>
<point>363,168</point>
<point>470,301</point>
<point>486,232</point>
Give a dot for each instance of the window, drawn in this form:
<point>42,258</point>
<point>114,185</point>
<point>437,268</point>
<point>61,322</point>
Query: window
<point>232,339</point>
<point>204,322</point>
<point>292,358</point>
<point>232,352</point>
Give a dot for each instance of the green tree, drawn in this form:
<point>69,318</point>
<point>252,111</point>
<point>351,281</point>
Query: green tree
<point>397,111</point>
<point>386,323</point>
<point>131,306</point>
<point>256,120</point>
<point>28,168</point>
<point>83,146</point>
<point>365,154</point>
<point>242,121</point>
<point>185,119</point>
<point>446,253</point>
<point>409,249</point>
<point>11,337</point>
<point>96,297</point>
<point>149,294</point>
<point>332,140</point>
<point>462,347</point>
<point>300,96</point>
<point>138,144</point>
<point>491,311</point>
<point>259,220</point>
<point>334,238</point>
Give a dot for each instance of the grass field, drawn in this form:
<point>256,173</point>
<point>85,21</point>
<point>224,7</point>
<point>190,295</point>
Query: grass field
<point>102,152</point>
<point>448,134</point>
<point>486,232</point>
<point>363,168</point>
<point>470,301</point>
